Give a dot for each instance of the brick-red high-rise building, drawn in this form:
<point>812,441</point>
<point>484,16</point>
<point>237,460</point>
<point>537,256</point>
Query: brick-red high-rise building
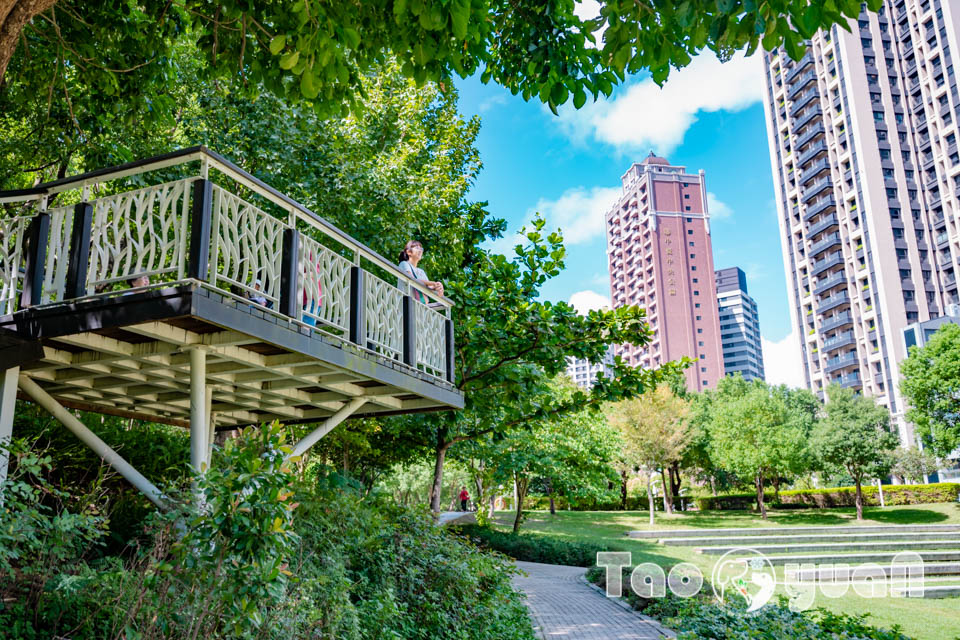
<point>661,258</point>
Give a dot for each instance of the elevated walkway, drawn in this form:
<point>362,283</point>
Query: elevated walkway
<point>180,289</point>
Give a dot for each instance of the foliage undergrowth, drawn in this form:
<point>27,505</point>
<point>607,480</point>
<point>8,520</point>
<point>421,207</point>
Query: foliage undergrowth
<point>270,552</point>
<point>531,547</point>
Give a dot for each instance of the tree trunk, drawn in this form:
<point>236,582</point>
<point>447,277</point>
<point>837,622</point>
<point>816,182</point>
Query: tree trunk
<point>437,488</point>
<point>675,483</point>
<point>858,480</point>
<point>713,485</point>
<point>623,490</point>
<point>667,498</point>
<point>14,15</point>
<point>650,495</point>
<point>760,504</point>
<point>553,507</point>
<point>493,504</point>
<point>776,488</point>
<point>521,484</point>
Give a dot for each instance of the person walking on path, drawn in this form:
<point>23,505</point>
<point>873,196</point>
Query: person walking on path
<point>464,498</point>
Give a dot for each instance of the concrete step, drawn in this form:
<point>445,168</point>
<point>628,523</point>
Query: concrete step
<point>838,547</point>
<point>879,557</point>
<point>935,591</point>
<point>931,571</point>
<point>747,541</point>
<point>775,531</point>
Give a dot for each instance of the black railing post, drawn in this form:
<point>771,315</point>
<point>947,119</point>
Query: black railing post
<point>79,259</point>
<point>450,354</point>
<point>199,263</point>
<point>358,327</point>
<point>38,233</point>
<point>409,331</point>
<point>290,273</point>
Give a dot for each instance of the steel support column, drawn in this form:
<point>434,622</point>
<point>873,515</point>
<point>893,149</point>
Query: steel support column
<point>198,409</point>
<point>91,439</point>
<point>314,436</point>
<point>8,403</point>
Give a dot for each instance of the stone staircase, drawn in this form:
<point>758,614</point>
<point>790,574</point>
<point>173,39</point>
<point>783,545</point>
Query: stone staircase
<point>937,546</point>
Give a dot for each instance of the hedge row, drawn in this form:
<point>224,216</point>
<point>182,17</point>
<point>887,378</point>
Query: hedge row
<point>894,494</point>
<point>531,547</point>
<point>634,503</point>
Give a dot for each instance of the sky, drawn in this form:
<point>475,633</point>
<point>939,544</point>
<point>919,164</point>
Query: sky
<point>707,116</point>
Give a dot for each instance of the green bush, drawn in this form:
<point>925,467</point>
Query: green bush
<point>531,547</point>
<point>701,617</point>
<point>271,555</point>
<point>895,494</point>
<point>634,503</point>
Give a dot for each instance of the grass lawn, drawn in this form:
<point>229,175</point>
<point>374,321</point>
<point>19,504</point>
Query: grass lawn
<point>934,619</point>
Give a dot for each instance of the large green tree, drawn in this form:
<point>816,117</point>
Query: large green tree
<point>931,386</point>
<point>320,50</point>
<point>854,434</point>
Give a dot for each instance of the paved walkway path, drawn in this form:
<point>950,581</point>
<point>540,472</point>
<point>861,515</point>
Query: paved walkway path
<point>565,607</point>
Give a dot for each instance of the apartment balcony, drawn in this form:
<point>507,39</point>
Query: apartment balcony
<point>819,206</point>
<point>836,300</point>
<point>804,62</point>
<point>807,117</point>
<point>822,225</point>
<point>802,101</point>
<point>133,301</point>
<point>809,193</point>
<point>818,267</point>
<point>841,362</point>
<point>831,281</point>
<point>837,321</point>
<point>942,239</point>
<point>832,240</point>
<point>815,169</point>
<point>851,379</point>
<point>839,340</point>
<point>815,131</point>
<point>800,83</point>
<point>815,150</point>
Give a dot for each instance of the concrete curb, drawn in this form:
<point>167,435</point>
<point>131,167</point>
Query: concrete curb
<point>620,602</point>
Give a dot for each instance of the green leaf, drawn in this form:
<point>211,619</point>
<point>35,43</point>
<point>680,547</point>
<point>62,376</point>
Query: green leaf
<point>579,97</point>
<point>277,43</point>
<point>289,60</point>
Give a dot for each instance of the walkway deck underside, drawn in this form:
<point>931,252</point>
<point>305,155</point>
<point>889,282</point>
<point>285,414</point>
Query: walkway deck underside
<point>129,355</point>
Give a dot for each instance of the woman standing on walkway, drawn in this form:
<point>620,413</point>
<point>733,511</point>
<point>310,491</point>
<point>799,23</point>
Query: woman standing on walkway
<point>409,259</point>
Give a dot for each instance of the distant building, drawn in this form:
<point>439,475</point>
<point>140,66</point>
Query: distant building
<point>661,259</point>
<point>739,325</point>
<point>582,372</point>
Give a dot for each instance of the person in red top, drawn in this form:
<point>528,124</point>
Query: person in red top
<point>464,497</point>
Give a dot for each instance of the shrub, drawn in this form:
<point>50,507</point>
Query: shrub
<point>634,503</point>
<point>896,494</point>
<point>701,617</point>
<point>531,547</point>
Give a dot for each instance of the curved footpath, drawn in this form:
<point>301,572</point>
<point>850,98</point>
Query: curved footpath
<point>563,605</point>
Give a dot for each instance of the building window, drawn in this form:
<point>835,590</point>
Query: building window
<point>700,343</point>
<point>696,305</point>
<point>698,317</point>
<point>686,208</point>
<point>691,243</point>
<point>692,256</point>
<point>699,330</point>
<point>703,369</point>
<point>686,196</point>
<point>693,268</point>
<point>696,292</point>
<point>689,232</point>
<point>703,356</point>
<point>695,282</point>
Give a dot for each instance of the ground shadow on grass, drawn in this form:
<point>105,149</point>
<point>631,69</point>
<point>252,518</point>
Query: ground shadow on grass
<point>905,516</point>
<point>818,517</point>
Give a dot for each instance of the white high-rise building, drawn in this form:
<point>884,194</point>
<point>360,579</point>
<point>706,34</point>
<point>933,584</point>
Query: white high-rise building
<point>582,372</point>
<point>863,144</point>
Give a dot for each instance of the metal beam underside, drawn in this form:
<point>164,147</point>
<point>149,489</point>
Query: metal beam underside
<point>258,369</point>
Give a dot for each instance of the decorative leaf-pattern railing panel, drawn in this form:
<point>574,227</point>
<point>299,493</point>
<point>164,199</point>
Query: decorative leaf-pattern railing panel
<point>383,316</point>
<point>323,285</point>
<point>12,238</point>
<point>431,340</point>
<point>246,246</point>
<point>58,254</point>
<point>139,233</point>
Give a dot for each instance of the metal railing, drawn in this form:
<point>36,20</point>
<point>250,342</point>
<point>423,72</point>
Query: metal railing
<point>191,229</point>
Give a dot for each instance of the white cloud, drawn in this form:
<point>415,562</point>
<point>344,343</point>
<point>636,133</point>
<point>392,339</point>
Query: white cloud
<point>496,100</point>
<point>584,301</point>
<point>718,209</point>
<point>781,361</point>
<point>644,115</point>
<point>578,213</point>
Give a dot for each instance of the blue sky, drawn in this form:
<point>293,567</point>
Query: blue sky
<point>708,116</point>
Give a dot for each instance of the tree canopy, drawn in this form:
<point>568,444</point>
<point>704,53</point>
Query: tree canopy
<point>931,386</point>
